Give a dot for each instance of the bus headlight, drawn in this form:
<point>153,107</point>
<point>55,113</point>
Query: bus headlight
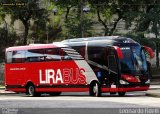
<point>123,82</point>
<point>148,81</point>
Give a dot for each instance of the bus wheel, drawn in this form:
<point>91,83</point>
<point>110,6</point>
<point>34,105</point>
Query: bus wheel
<point>121,94</point>
<point>95,89</point>
<point>31,90</point>
<point>55,93</point>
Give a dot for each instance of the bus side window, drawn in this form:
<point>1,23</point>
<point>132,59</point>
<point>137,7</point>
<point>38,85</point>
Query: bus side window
<point>112,63</point>
<point>105,57</point>
<point>96,54</point>
<point>35,55</point>
<point>9,57</point>
<point>80,50</point>
<point>52,54</point>
<point>18,56</point>
<point>64,55</point>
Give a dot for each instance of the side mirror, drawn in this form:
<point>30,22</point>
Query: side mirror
<point>119,52</point>
<point>149,50</point>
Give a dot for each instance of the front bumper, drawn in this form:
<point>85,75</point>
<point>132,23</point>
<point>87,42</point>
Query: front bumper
<point>133,88</point>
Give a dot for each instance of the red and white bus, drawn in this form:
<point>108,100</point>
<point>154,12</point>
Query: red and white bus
<point>98,64</point>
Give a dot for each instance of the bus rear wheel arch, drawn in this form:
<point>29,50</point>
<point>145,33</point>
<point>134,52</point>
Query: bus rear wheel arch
<point>30,90</point>
<point>95,89</point>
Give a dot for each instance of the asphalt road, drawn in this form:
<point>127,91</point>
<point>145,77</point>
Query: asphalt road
<point>79,103</point>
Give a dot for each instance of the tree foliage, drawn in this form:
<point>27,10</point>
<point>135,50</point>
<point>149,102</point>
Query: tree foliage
<point>29,11</point>
<point>110,12</point>
<point>73,20</point>
<point>64,18</point>
<point>73,26</point>
<point>6,41</point>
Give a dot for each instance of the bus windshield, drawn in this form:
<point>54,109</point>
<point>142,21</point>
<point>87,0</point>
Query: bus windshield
<point>133,61</point>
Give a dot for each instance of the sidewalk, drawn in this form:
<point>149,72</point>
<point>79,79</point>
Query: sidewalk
<point>3,91</point>
<point>153,93</point>
<point>155,80</point>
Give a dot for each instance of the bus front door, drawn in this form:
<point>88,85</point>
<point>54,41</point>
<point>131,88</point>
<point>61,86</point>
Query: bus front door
<point>113,74</point>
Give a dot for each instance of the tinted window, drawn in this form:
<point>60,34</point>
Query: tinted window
<point>112,63</point>
<point>52,55</point>
<point>18,56</point>
<point>133,61</point>
<point>64,55</point>
<point>35,55</point>
<point>56,54</point>
<point>80,50</point>
<point>97,54</point>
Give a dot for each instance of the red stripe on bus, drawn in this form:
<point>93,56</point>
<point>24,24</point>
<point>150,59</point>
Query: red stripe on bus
<point>144,88</point>
<point>21,90</point>
<point>62,89</point>
<point>126,89</point>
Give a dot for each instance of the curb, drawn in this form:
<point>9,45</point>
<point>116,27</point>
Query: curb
<point>3,92</point>
<point>153,92</point>
<point>153,95</point>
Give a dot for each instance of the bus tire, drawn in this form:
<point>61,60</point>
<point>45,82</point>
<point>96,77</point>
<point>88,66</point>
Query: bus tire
<point>121,94</point>
<point>95,89</point>
<point>55,93</point>
<point>31,91</point>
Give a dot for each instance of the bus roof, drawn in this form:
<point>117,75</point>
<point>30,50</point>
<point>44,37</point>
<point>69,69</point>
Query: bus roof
<point>106,38</point>
<point>36,46</point>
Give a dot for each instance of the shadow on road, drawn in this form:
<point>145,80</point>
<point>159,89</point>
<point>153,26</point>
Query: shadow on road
<point>84,94</point>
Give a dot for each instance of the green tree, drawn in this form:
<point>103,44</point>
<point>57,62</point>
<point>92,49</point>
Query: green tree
<point>2,15</point>
<point>29,11</point>
<point>149,20</point>
<point>73,26</point>
<point>67,6</point>
<point>72,21</point>
<point>110,12</point>
<point>6,42</point>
